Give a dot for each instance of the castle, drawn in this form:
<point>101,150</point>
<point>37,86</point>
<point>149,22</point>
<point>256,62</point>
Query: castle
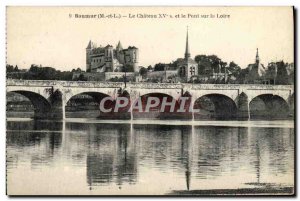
<point>107,59</point>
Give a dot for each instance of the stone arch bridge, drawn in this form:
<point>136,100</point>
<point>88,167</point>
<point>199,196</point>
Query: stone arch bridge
<point>50,97</point>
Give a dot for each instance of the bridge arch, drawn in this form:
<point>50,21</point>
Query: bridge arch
<point>41,105</point>
<point>86,104</point>
<point>174,93</point>
<point>215,106</point>
<point>157,112</point>
<point>282,93</point>
<point>71,92</point>
<point>268,106</point>
<point>97,96</point>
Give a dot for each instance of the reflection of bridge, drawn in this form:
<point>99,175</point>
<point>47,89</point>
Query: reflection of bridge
<point>50,97</point>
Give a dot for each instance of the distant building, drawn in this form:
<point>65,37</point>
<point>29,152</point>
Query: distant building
<point>256,71</point>
<point>212,74</point>
<point>290,68</point>
<point>187,67</point>
<point>107,59</point>
<point>280,73</point>
<point>169,74</point>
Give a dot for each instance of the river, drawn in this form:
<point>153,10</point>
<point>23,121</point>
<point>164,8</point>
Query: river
<point>97,157</point>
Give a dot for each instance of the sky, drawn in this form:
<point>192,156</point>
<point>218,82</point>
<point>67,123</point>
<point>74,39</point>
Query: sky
<point>52,36</point>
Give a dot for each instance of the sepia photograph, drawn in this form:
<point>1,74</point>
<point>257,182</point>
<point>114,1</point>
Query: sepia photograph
<point>150,101</point>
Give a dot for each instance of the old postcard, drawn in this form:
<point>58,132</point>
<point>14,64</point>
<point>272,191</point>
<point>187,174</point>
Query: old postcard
<point>170,101</point>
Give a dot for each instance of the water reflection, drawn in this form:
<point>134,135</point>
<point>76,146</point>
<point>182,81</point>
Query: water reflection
<point>110,155</point>
<point>162,157</point>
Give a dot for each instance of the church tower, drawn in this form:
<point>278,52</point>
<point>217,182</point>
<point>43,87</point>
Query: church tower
<point>256,71</point>
<point>188,68</point>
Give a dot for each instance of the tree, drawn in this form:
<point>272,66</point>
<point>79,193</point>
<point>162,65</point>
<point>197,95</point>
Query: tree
<point>234,69</point>
<point>47,73</point>
<point>16,69</point>
<point>159,67</point>
<point>149,68</point>
<point>34,68</point>
<point>175,63</point>
<point>81,78</point>
<point>143,72</point>
<point>36,72</point>
<point>209,63</point>
<point>242,76</point>
<point>9,68</point>
<point>282,75</point>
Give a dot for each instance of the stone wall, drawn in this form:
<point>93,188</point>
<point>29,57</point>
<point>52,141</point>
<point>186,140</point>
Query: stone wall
<point>161,76</point>
<point>109,75</point>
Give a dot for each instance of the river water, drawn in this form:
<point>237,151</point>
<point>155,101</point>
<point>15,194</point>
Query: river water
<point>94,157</point>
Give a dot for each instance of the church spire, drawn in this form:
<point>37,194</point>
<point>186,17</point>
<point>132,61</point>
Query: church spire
<point>257,56</point>
<point>187,48</point>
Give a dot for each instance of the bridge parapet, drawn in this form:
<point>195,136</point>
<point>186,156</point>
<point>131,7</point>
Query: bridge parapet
<point>268,87</point>
<point>147,85</point>
<point>46,83</point>
<point>237,87</point>
<point>95,84</point>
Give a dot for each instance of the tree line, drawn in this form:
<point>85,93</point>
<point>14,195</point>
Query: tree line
<point>36,72</point>
<point>212,64</point>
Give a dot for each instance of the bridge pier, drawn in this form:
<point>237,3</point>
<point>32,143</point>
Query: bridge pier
<point>291,103</point>
<point>54,110</point>
<point>243,111</point>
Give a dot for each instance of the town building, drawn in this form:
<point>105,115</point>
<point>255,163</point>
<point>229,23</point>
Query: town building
<point>169,74</point>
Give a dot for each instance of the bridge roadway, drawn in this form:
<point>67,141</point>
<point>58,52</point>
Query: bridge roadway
<point>42,93</point>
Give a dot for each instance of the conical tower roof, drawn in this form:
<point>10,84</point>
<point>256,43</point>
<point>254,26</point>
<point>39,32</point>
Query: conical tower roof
<point>187,47</point>
<point>89,45</point>
<point>119,46</point>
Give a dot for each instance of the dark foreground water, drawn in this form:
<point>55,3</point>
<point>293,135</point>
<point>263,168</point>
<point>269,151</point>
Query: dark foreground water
<point>91,157</point>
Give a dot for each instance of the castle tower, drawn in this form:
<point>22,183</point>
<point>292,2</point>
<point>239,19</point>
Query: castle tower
<point>109,58</point>
<point>119,53</point>
<point>134,58</point>
<point>187,47</point>
<point>88,56</point>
